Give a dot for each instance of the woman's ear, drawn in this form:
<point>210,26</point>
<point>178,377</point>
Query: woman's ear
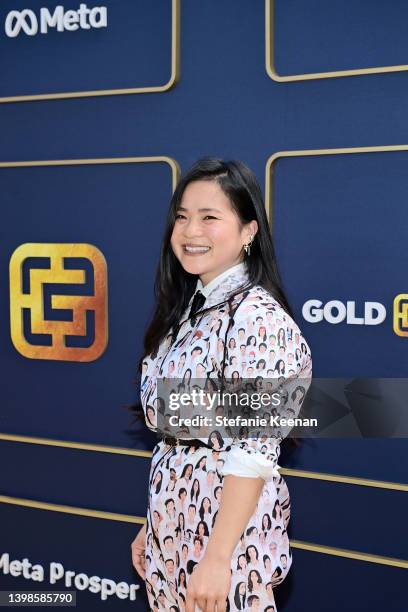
<point>252,228</point>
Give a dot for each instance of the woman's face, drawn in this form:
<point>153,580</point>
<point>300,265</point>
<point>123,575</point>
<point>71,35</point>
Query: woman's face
<point>214,441</point>
<point>206,218</point>
<point>253,576</point>
<point>200,370</point>
<point>265,521</point>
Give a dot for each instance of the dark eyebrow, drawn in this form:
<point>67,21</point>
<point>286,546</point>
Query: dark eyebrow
<point>201,209</point>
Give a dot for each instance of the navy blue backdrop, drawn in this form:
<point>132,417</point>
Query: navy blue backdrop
<point>132,102</point>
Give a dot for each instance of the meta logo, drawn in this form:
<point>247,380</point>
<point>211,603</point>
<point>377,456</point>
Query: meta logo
<point>371,313</point>
<point>71,20</point>
<point>58,301</point>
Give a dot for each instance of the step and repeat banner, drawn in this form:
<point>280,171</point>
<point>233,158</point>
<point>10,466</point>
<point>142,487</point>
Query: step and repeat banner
<point>101,107</point>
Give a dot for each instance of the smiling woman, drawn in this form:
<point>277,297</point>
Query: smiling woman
<point>208,240</point>
<point>220,312</point>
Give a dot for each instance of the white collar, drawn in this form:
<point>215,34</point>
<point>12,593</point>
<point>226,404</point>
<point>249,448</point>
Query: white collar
<point>238,268</point>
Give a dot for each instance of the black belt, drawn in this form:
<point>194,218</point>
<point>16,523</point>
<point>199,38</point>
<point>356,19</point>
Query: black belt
<point>171,441</point>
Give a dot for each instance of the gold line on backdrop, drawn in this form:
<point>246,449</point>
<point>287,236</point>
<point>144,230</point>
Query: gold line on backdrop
<point>315,152</point>
<point>308,546</point>
<point>100,297</point>
<point>115,450</point>
<point>101,514</point>
<point>173,80</point>
<point>270,57</point>
<point>392,486</point>
<point>99,160</point>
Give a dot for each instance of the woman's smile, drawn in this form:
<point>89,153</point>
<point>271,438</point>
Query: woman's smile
<point>195,250</point>
<point>208,236</point>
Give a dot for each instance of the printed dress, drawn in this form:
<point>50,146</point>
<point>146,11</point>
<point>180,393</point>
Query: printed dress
<point>185,483</point>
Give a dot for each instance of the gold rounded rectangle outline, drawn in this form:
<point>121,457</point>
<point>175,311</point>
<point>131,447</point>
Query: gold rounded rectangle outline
<point>128,518</point>
<point>270,54</point>
<point>121,450</point>
<point>175,168</point>
<point>315,152</point>
<point>173,80</point>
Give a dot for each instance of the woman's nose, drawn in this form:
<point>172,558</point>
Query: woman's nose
<point>192,228</point>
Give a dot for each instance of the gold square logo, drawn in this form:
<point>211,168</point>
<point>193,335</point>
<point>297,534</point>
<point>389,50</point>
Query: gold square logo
<point>58,301</point>
<point>400,314</point>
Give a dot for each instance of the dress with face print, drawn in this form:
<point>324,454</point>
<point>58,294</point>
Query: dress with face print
<point>185,483</point>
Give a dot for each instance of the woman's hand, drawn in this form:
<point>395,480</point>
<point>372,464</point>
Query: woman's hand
<point>209,585</point>
<point>138,547</point>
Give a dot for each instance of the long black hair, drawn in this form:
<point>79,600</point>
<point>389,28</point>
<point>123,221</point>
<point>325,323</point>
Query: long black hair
<point>174,287</point>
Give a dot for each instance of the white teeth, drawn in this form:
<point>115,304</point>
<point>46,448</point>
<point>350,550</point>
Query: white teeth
<point>196,249</point>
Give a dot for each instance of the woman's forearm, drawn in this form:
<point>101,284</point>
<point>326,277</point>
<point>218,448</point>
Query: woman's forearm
<point>238,502</point>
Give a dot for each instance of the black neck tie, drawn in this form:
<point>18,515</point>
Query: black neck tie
<point>197,304</point>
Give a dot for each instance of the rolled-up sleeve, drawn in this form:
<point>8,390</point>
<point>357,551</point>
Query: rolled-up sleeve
<point>254,465</point>
<point>266,344</point>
